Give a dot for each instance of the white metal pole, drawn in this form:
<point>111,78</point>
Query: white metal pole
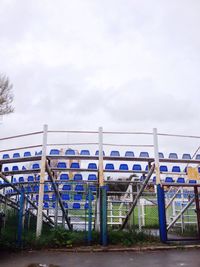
<point>156,155</point>
<point>41,187</point>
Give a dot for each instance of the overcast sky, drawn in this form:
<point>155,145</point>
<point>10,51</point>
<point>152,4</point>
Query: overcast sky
<point>120,64</point>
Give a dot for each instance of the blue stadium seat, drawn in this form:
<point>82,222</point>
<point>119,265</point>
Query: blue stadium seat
<point>14,180</point>
<point>62,165</point>
<point>176,169</point>
<point>30,178</point>
<point>46,205</point>
<point>144,155</point>
<point>169,180</point>
<point>186,156</point>
<point>78,177</point>
<point>36,188</point>
<point>79,187</point>
<point>92,166</point>
<point>161,155</point>
<point>37,178</point>
<point>197,156</point>
<point>129,154</point>
<point>180,180</point>
<point>163,168</point>
<point>137,167</point>
<point>46,188</point>
<point>66,187</point>
<point>92,177</point>
<point>75,165</point>
<point>76,206</point>
<point>46,197</point>
<point>97,153</point>
<point>109,166</point>
<point>65,197</point>
<point>192,181</point>
<point>123,167</point>
<point>147,168</point>
<point>154,179</point>
<point>16,155</point>
<point>70,152</point>
<point>6,169</point>
<point>65,205</point>
<point>23,168</point>
<point>114,153</point>
<point>6,156</point>
<point>15,168</point>
<point>27,154</point>
<point>54,152</point>
<point>28,189</point>
<point>36,166</point>
<point>173,156</point>
<point>85,152</point>
<point>53,205</point>
<point>92,187</point>
<point>78,197</point>
<point>92,197</point>
<point>64,177</point>
<point>38,153</point>
<point>86,206</point>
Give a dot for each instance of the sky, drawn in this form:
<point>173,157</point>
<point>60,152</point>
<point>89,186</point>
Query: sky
<point>125,65</point>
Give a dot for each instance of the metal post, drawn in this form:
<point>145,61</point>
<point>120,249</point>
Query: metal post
<point>89,217</point>
<point>103,197</point>
<point>100,179</point>
<point>56,212</point>
<point>197,208</point>
<point>156,155</point>
<point>20,219</point>
<point>41,188</point>
<point>161,213</point>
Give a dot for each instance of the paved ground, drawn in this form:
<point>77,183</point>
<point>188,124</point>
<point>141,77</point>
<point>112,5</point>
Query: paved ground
<point>170,258</point>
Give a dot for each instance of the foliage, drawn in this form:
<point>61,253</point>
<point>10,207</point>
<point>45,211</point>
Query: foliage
<point>6,95</point>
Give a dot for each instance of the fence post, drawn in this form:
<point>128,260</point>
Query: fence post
<point>89,217</point>
<point>41,188</point>
<point>103,197</point>
<point>161,213</point>
<point>20,219</point>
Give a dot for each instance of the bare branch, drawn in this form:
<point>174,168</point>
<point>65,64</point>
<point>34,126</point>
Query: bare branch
<point>6,95</point>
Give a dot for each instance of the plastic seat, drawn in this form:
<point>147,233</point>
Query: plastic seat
<point>77,197</point>
<point>186,156</point>
<point>92,188</point>
<point>79,187</point>
<point>109,166</point>
<point>123,167</point>
<point>176,169</point>
<point>6,156</point>
<point>76,206</point>
<point>97,153</point>
<point>137,167</point>
<point>70,152</point>
<point>78,177</point>
<point>161,155</point>
<point>144,155</point>
<point>14,180</point>
<point>6,169</point>
<point>173,156</point>
<point>92,177</point>
<point>192,181</point>
<point>23,168</point>
<point>154,179</point>
<point>114,153</point>
<point>62,165</point>
<point>15,168</point>
<point>36,188</point>
<point>16,155</point>
<point>75,165</point>
<point>28,189</point>
<point>37,178</point>
<point>86,206</point>
<point>65,205</point>
<point>46,188</point>
<point>85,152</point>
<point>30,178</point>
<point>54,152</point>
<point>129,154</point>
<point>27,154</point>
<point>180,180</point>
<point>92,166</point>
<point>169,180</point>
<point>64,177</point>
<point>197,156</point>
<point>53,205</point>
<point>65,197</point>
<point>46,205</point>
<point>46,197</point>
<point>163,168</point>
<point>36,166</point>
<point>38,153</point>
<point>66,187</point>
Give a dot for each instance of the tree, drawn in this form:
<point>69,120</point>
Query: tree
<point>6,95</point>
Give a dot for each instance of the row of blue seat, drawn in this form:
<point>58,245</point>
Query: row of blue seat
<point>75,205</point>
<point>113,153</point>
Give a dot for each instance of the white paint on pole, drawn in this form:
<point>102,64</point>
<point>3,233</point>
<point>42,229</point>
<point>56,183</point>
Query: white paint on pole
<point>41,187</point>
<point>156,155</point>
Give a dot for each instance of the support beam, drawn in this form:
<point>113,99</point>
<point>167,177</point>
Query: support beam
<point>41,185</point>
<point>156,155</point>
<point>161,213</point>
<point>138,196</point>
